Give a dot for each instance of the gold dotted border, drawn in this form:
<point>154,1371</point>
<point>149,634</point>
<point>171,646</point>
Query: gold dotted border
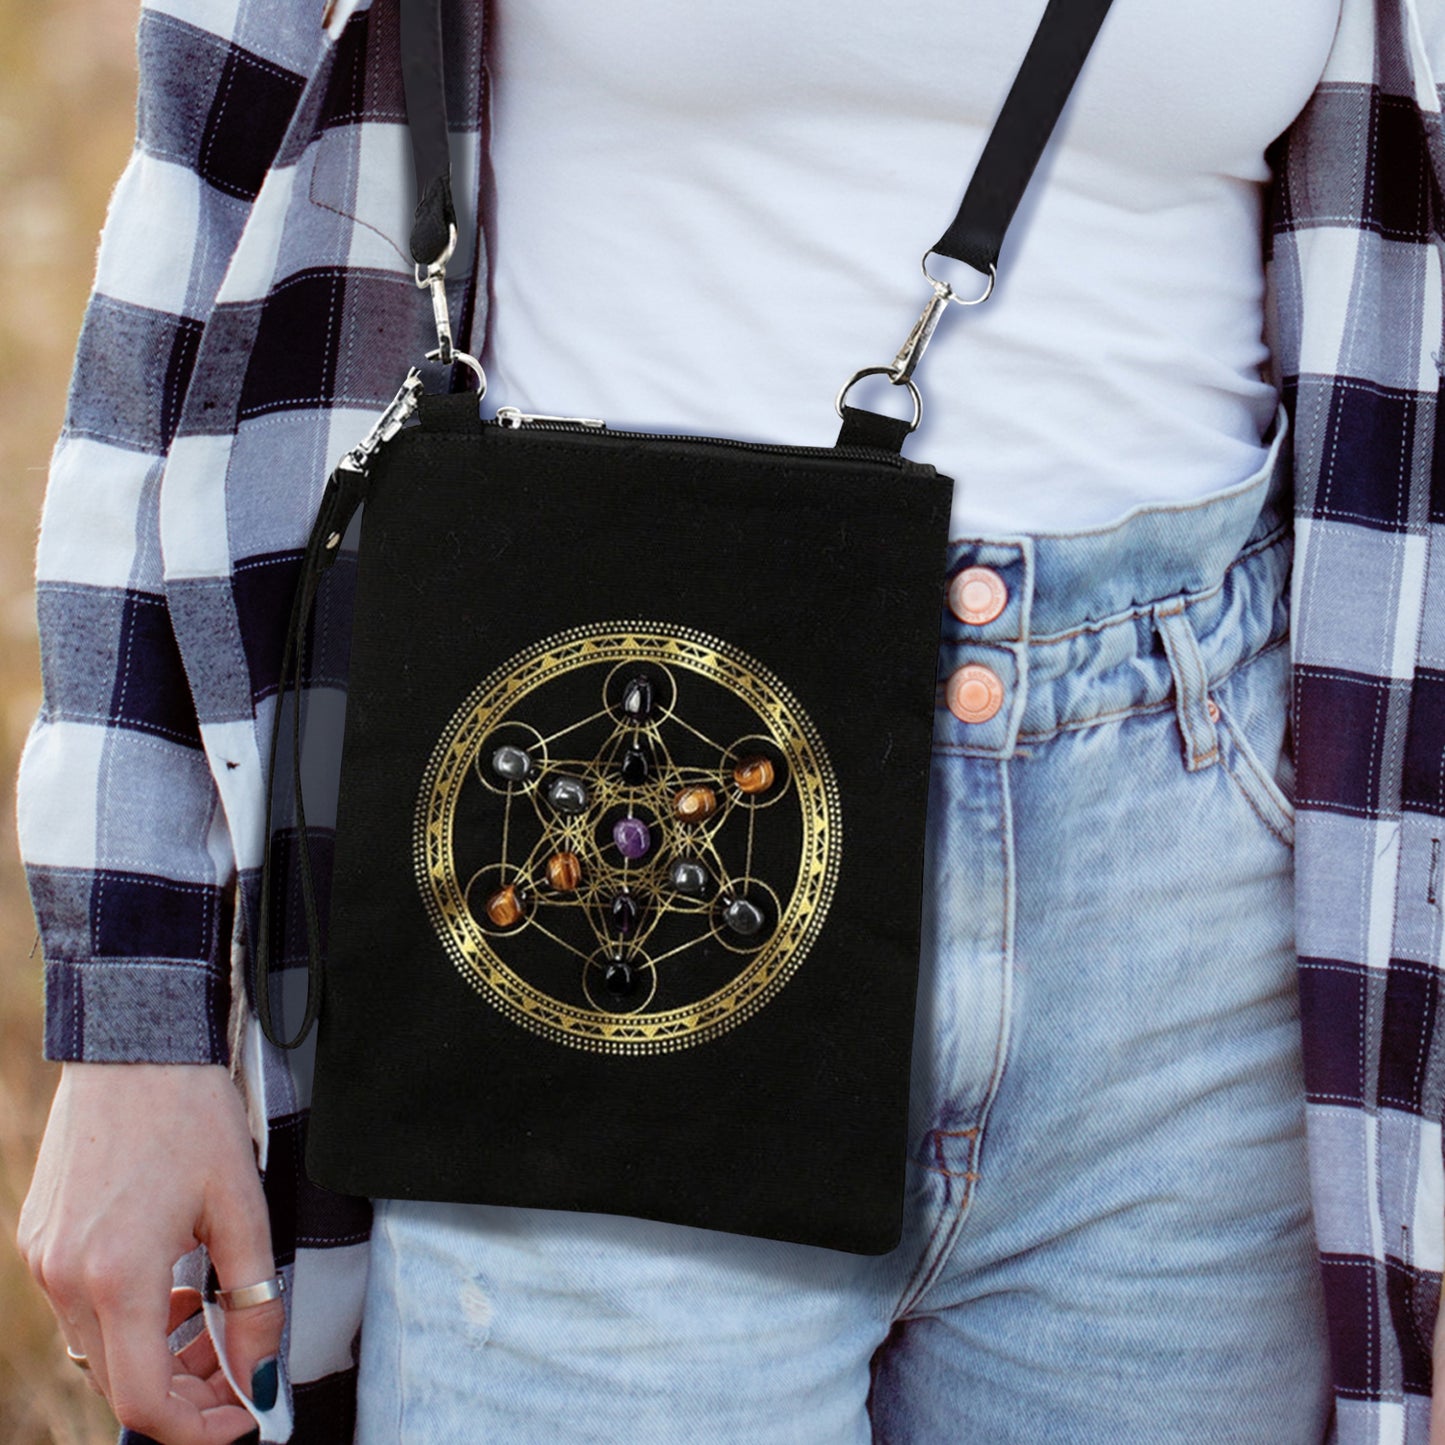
<point>818,799</point>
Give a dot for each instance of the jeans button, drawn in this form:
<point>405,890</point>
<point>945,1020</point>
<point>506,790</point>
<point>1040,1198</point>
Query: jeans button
<point>977,595</point>
<point>975,693</point>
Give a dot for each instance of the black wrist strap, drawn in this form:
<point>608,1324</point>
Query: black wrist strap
<point>1030,111</point>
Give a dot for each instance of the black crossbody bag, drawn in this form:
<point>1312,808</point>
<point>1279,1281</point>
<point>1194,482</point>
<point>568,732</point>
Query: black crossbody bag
<point>627,883</point>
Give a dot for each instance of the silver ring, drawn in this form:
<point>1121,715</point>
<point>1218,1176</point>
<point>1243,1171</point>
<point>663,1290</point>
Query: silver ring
<point>947,291</point>
<point>889,373</point>
<point>80,1360</point>
<point>250,1294</point>
<point>471,361</point>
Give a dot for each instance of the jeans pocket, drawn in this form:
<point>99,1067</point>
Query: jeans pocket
<point>1253,739</point>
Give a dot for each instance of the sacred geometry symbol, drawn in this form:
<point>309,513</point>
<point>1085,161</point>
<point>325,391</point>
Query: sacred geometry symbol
<point>627,837</point>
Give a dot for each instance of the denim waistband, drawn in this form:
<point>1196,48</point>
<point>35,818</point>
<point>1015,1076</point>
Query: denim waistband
<point>1143,614</point>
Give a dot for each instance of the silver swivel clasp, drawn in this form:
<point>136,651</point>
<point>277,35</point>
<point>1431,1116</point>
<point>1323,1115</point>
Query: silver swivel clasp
<point>900,370</point>
<point>434,278</point>
<point>911,352</point>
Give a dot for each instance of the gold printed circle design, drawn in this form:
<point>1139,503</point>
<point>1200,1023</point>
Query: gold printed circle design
<point>501,709</point>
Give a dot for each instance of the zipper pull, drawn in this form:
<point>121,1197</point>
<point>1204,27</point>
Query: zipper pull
<point>509,416</point>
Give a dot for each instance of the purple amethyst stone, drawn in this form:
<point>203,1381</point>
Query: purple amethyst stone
<point>632,836</point>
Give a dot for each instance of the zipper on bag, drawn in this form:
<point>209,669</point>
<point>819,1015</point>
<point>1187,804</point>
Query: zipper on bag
<point>509,418</point>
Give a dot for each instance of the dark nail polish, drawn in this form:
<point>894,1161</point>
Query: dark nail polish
<point>263,1383</point>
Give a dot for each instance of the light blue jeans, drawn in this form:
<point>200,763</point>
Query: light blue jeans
<point>1108,1232</point>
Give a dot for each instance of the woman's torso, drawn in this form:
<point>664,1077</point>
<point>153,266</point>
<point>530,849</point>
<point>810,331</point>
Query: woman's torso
<point>704,220</point>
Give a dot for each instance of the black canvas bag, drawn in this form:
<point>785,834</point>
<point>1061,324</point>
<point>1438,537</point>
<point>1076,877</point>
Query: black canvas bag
<point>627,883</point>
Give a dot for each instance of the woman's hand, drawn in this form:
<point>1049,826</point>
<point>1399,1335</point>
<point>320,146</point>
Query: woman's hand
<point>139,1163</point>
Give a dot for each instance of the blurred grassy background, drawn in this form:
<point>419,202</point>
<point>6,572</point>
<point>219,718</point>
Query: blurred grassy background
<point>67,123</point>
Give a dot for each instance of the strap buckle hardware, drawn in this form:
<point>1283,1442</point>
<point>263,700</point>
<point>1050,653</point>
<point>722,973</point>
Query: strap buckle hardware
<point>911,352</point>
<point>900,370</point>
<point>434,278</point>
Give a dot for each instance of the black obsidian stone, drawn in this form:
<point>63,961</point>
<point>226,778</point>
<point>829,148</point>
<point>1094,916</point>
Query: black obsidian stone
<point>511,764</point>
<point>619,978</point>
<point>743,917</point>
<point>568,795</point>
<point>639,699</point>
<point>635,767</point>
<point>687,876</point>
<point>623,914</point>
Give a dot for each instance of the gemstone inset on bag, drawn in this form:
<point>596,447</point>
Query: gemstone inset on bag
<point>632,837</point>
<point>674,770</point>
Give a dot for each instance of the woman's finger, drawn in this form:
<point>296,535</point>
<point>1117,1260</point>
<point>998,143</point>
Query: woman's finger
<point>236,1230</point>
<point>198,1358</point>
<point>72,1340</point>
<point>193,1390</point>
<point>185,1304</point>
<point>133,1307</point>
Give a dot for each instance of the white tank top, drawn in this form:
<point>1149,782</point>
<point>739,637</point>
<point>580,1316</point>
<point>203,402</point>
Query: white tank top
<point>704,218</point>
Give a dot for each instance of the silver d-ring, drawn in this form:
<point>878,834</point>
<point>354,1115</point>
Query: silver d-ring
<point>947,291</point>
<point>888,372</point>
<point>471,361</point>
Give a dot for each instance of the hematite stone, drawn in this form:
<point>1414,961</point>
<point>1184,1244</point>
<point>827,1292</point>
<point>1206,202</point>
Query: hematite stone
<point>632,837</point>
<point>638,699</point>
<point>689,877</point>
<point>619,978</point>
<point>743,917</point>
<point>623,914</point>
<point>568,795</point>
<point>635,768</point>
<point>512,764</point>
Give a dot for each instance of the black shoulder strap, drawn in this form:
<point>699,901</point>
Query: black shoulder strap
<point>1030,111</point>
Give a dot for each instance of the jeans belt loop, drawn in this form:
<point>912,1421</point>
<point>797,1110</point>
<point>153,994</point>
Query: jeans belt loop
<point>1191,685</point>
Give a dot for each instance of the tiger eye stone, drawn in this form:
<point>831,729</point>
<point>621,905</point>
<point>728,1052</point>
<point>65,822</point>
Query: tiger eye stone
<point>506,906</point>
<point>695,804</point>
<point>754,775</point>
<point>564,871</point>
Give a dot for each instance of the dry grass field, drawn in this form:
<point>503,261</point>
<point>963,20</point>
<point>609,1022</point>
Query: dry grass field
<point>67,122</point>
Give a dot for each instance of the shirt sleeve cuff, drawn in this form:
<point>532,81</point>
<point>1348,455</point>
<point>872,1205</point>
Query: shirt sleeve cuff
<point>159,1011</point>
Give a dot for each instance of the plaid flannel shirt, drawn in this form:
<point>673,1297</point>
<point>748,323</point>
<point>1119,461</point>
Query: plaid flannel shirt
<point>253,309</point>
